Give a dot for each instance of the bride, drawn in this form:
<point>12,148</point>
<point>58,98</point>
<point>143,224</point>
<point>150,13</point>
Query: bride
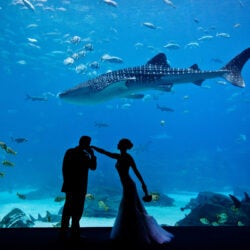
<point>133,224</point>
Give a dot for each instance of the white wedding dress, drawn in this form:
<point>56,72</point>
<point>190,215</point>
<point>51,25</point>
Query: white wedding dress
<point>133,224</point>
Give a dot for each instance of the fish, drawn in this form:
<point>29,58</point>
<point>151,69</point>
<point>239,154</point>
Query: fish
<point>172,46</point>
<point>3,145</point>
<point>49,217</point>
<point>149,25</point>
<point>29,5</point>
<point>59,198</point>
<point>75,39</point>
<point>163,108</point>
<point>156,74</point>
<point>36,98</point>
<point>111,59</point>
<point>101,124</point>
<point>21,196</point>
<point>102,205</point>
<point>89,196</point>
<point>19,139</point>
<point>205,38</point>
<point>8,163</point>
<point>32,40</point>
<point>111,3</point>
<point>10,151</point>
<point>216,60</point>
<point>223,34</point>
<point>192,45</point>
<point>16,218</point>
<point>7,149</point>
<point>170,3</point>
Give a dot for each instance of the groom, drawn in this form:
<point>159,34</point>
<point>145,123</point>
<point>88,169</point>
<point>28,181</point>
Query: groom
<point>76,164</point>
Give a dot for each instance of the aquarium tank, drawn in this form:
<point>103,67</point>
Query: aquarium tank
<point>172,76</point>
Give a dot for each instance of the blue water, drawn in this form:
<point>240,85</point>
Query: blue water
<point>203,145</point>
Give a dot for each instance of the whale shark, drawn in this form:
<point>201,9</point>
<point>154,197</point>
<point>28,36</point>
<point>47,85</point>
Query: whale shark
<point>156,74</point>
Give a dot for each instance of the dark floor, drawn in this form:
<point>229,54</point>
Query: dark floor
<point>188,238</point>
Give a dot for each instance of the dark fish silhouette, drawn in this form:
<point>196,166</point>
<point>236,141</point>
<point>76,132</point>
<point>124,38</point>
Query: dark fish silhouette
<point>36,98</point>
<point>101,124</point>
<point>49,217</point>
<point>19,139</point>
<point>156,74</point>
<point>21,196</point>
<point>163,108</point>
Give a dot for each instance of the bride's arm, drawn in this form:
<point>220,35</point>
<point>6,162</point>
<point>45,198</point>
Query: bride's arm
<point>138,175</point>
<point>107,153</point>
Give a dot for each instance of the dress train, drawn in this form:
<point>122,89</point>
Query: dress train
<point>133,223</point>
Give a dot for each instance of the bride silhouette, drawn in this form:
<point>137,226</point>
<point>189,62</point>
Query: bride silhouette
<point>133,224</point>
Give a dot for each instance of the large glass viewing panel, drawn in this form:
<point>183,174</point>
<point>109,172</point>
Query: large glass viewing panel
<point>172,76</point>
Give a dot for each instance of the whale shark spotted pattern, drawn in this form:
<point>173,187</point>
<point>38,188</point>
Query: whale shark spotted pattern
<point>156,74</point>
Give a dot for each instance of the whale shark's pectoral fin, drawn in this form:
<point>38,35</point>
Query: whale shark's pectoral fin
<point>122,87</point>
<point>198,82</point>
<point>115,89</point>
<point>117,86</point>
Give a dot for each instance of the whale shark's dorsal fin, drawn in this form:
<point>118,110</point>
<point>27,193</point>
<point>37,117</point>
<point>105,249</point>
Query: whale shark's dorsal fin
<point>160,59</point>
<point>194,67</point>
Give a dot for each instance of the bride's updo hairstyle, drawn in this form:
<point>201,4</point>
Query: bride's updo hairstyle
<point>126,143</point>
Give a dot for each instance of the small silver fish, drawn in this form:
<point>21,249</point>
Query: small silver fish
<point>149,25</point>
<point>29,5</point>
